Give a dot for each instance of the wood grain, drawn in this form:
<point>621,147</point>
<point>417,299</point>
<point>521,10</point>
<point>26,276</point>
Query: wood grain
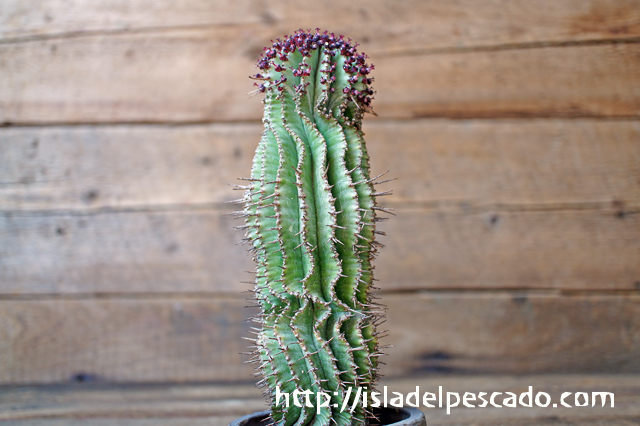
<point>181,339</point>
<point>541,82</point>
<point>117,266</point>
<point>200,75</point>
<point>378,25</point>
<point>88,168</point>
<point>196,251</point>
<point>188,75</point>
<point>127,402</point>
<point>579,249</point>
<point>511,333</point>
<point>516,161</point>
<point>478,162</point>
<point>131,252</point>
<point>198,339</point>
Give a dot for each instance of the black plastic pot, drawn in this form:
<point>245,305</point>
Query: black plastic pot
<point>388,416</point>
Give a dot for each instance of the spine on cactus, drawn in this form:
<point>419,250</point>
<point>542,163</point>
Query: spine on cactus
<point>310,215</point>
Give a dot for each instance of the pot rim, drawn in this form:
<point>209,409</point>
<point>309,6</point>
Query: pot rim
<point>415,417</point>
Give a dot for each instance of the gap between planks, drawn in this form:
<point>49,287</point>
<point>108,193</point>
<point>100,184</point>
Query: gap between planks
<point>514,115</point>
<point>464,206</point>
<point>503,116</point>
<point>515,292</point>
<point>394,53</point>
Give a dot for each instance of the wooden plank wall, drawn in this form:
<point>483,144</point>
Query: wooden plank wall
<point>513,129</point>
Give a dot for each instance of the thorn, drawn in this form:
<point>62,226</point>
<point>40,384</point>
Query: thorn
<point>239,187</point>
<point>253,92</point>
<point>336,226</point>
<point>353,170</point>
<point>236,201</point>
<point>380,175</point>
<point>385,181</point>
<point>385,209</point>
<point>335,240</point>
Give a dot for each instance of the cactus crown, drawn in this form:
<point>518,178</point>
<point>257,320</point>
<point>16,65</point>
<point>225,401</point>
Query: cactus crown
<point>310,220</point>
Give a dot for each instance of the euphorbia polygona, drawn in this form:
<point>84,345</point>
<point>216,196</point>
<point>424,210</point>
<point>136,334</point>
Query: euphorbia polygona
<point>310,214</point>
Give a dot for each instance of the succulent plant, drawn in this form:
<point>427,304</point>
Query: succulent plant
<point>310,219</point>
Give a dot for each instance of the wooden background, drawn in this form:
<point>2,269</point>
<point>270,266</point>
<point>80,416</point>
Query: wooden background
<point>513,128</point>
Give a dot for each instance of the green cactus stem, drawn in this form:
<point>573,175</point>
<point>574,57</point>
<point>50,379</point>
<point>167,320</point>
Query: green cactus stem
<point>310,213</point>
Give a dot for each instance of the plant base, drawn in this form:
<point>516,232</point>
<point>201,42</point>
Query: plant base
<point>388,416</point>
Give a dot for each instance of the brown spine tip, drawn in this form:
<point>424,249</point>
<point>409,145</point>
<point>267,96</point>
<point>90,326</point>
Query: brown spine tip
<point>306,41</point>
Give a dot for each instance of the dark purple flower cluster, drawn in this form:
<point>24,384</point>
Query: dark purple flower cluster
<point>307,41</point>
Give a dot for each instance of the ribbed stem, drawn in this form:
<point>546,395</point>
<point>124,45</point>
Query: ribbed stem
<point>310,219</point>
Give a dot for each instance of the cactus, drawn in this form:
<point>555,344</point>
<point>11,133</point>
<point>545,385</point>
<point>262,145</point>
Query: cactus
<point>310,215</point>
